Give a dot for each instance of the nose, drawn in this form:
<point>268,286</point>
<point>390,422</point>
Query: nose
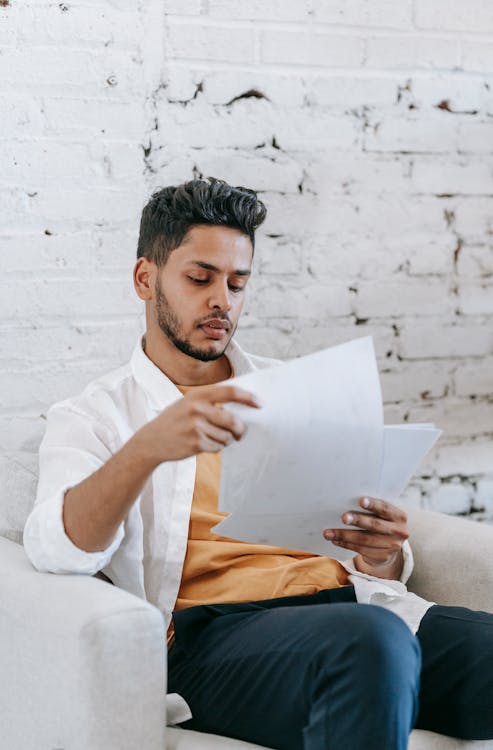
<point>220,296</point>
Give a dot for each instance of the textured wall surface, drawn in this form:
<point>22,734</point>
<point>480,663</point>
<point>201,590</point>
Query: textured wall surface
<point>366,125</point>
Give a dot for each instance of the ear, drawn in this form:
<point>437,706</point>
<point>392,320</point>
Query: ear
<point>145,278</point>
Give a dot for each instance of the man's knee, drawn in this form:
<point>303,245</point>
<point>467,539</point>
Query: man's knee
<point>377,648</point>
<point>385,640</point>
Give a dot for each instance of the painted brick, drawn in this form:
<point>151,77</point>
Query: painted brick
<point>474,379</point>
<point>467,176</point>
<point>415,381</point>
<point>47,161</point>
<point>312,336</point>
<point>477,56</point>
<point>475,137</point>
<point>451,498</point>
<point>37,389</point>
<point>286,300</point>
<point>66,298</point>
<point>69,342</point>
<point>111,250</point>
<point>446,16</point>
<point>273,172</point>
<point>104,26</point>
<point>238,127</point>
<point>257,10</point>
<point>404,298</point>
<point>476,300</point>
<point>484,495</point>
<point>277,256</point>
<point>467,459</point>
<point>475,261</point>
<point>103,206</point>
<point>430,256</point>
<point>348,174</point>
<point>81,118</point>
<point>433,339</point>
<point>474,219</point>
<point>462,418</point>
<point>411,52</point>
<point>414,135</point>
<point>326,131</point>
<point>178,7</point>
<point>385,14</point>
<point>315,49</point>
<point>215,43</point>
<point>222,86</point>
<point>266,341</point>
<point>84,72</point>
<point>22,116</point>
<point>9,26</point>
<point>352,91</point>
<point>459,92</point>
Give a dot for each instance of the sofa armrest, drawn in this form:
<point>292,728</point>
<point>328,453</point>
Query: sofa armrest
<point>83,662</point>
<point>453,560</point>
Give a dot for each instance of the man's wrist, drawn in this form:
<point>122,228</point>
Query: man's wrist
<point>144,449</point>
<point>390,569</point>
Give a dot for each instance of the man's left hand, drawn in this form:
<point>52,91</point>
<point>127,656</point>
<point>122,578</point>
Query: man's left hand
<point>379,543</point>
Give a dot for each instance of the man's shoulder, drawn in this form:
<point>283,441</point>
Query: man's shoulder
<point>102,395</point>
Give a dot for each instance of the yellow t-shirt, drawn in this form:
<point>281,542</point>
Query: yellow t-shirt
<point>218,569</point>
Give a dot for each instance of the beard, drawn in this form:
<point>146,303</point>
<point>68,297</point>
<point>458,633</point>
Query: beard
<point>170,325</point>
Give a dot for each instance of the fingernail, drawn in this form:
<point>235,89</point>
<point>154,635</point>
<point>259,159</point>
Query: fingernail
<point>349,518</point>
<point>366,502</point>
<point>328,534</point>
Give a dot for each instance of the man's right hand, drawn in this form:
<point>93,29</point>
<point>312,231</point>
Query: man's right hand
<point>196,423</point>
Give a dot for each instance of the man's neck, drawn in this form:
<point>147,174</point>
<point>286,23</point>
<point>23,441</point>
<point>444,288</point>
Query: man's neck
<point>182,369</point>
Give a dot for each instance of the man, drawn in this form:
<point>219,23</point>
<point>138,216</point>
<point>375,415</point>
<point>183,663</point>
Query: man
<point>269,645</point>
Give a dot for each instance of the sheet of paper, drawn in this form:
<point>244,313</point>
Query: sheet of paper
<point>316,446</point>
<point>295,450</point>
<point>404,447</point>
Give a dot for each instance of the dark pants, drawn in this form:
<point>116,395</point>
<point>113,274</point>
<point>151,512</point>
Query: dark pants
<point>321,672</point>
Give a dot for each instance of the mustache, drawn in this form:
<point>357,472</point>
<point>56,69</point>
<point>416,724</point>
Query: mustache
<point>215,316</point>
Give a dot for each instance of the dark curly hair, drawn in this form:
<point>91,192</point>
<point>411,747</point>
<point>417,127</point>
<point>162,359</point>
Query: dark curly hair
<point>173,211</point>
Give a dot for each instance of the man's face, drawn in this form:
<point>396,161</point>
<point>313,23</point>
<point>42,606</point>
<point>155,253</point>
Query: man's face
<point>200,290</point>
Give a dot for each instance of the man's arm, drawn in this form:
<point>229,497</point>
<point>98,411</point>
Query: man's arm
<point>94,509</point>
<point>379,543</point>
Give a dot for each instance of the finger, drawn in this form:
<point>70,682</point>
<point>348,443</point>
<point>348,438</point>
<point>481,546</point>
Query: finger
<point>383,508</point>
<point>225,420</point>
<point>376,525</point>
<point>222,394</point>
<point>216,439</point>
<point>363,538</point>
<point>373,554</point>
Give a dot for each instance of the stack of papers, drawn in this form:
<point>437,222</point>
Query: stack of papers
<point>317,445</point>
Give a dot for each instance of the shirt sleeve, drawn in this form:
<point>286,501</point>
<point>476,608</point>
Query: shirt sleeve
<point>407,567</point>
<point>74,447</point>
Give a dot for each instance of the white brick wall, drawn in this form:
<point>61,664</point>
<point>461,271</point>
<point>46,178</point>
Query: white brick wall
<point>366,125</point>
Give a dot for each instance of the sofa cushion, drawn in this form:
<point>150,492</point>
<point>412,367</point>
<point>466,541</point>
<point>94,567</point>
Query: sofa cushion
<point>185,739</point>
<point>18,479</point>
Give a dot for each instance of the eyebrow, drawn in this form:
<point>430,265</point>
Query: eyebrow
<point>210,267</point>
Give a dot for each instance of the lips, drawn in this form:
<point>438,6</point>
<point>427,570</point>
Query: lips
<point>215,328</point>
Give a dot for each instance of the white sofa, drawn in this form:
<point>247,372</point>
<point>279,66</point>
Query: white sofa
<point>83,663</point>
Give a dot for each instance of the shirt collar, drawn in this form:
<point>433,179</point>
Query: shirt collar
<point>160,389</point>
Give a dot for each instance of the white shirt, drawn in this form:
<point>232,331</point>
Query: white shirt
<point>147,554</point>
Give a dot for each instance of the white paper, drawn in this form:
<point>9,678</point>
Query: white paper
<point>404,447</point>
<point>315,447</point>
